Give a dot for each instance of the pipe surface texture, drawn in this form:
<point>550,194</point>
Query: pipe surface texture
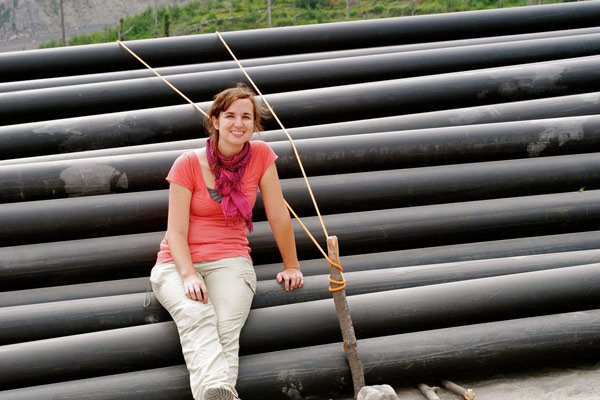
<point>127,213</point>
<point>381,98</point>
<point>34,64</point>
<point>53,319</point>
<point>252,62</point>
<point>321,156</point>
<point>98,98</point>
<point>503,345</point>
<point>309,324</point>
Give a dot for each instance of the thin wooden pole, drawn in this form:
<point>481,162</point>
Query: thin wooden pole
<point>430,393</point>
<point>341,308</point>
<point>467,394</point>
<point>62,23</point>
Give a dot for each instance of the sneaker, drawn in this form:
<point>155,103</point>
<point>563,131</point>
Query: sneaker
<point>219,393</point>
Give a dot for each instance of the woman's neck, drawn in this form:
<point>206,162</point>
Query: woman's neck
<point>229,150</point>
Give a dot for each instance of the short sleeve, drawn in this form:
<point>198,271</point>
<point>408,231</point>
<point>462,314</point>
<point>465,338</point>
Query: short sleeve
<point>183,172</point>
<point>264,154</point>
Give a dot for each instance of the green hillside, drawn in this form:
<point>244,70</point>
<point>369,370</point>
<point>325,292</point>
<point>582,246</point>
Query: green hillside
<point>227,15</point>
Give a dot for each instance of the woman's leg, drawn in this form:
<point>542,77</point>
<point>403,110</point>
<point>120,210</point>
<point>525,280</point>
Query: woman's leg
<point>231,286</point>
<point>198,332</point>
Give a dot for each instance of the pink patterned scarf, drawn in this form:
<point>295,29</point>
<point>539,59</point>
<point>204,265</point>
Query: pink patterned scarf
<point>228,173</point>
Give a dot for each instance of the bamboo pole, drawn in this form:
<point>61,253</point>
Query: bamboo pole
<point>341,308</point>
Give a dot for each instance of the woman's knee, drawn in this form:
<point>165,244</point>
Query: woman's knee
<point>194,313</point>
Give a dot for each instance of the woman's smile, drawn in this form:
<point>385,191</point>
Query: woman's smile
<point>235,126</point>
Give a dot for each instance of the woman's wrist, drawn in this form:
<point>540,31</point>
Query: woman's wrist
<point>187,272</point>
<point>297,266</point>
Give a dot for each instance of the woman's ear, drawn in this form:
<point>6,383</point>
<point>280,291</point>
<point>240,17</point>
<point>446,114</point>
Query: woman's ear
<point>215,122</point>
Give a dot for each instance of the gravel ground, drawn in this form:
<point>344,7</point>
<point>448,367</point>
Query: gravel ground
<point>582,383</point>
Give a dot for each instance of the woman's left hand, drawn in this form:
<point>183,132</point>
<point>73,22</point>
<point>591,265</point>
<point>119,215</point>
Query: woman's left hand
<point>292,278</point>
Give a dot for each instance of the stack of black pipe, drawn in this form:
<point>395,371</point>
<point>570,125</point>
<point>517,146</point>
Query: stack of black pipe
<point>455,157</point>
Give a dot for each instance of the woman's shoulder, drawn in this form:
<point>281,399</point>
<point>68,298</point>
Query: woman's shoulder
<point>187,159</point>
<point>189,155</point>
<point>260,145</point>
<point>262,150</point>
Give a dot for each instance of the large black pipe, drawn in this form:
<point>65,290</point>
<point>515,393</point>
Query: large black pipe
<point>126,213</point>
<point>87,177</point>
<point>253,62</point>
<point>27,65</point>
<point>314,371</point>
<point>364,272</point>
<point>437,92</point>
<point>476,349</point>
<point>410,227</point>
<point>85,260</point>
<point>83,217</point>
<point>562,245</point>
<point>102,131</point>
<point>41,321</point>
<point>166,383</point>
<point>426,307</point>
<point>362,232</point>
<point>329,155</point>
<point>91,354</point>
<point>412,275</point>
<point>183,122</point>
<point>316,287</point>
<point>17,137</point>
<point>312,323</point>
<point>507,260</point>
<point>115,287</point>
<point>99,98</point>
<point>149,211</point>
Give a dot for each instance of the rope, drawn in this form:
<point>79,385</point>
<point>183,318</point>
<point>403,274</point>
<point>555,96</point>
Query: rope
<point>282,127</point>
<point>341,283</point>
<point>161,77</point>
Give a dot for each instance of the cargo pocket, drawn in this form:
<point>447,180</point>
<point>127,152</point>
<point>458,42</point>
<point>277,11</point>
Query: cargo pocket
<point>156,279</point>
<point>250,277</point>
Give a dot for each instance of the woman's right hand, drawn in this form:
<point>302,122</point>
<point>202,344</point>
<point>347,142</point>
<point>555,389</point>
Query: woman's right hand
<point>194,288</point>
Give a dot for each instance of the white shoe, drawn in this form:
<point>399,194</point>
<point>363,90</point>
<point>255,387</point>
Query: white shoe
<point>220,393</point>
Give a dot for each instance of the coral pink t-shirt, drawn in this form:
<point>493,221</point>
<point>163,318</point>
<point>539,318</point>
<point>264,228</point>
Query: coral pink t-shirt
<point>209,238</point>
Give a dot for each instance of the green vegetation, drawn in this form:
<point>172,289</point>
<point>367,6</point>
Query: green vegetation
<point>4,15</point>
<point>208,16</point>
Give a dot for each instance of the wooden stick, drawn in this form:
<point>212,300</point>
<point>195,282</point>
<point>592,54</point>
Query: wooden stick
<point>341,308</point>
<point>467,394</point>
<point>429,392</point>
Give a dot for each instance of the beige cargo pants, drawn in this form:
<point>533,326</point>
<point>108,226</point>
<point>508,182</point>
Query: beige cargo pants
<point>209,333</point>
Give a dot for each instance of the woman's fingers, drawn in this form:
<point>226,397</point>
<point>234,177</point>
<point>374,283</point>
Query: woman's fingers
<point>196,290</point>
<point>290,280</point>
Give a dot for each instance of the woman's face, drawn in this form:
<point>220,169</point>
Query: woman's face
<point>236,124</point>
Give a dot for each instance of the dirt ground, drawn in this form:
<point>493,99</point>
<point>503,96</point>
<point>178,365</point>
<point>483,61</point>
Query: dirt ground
<point>549,384</point>
<point>581,383</point>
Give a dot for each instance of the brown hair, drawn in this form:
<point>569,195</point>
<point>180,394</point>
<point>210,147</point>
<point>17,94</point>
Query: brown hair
<point>224,99</point>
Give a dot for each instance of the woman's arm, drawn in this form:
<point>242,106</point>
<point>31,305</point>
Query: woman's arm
<point>177,233</point>
<point>281,225</point>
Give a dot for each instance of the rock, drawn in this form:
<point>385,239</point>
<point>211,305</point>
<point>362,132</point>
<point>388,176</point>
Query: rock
<point>377,392</point>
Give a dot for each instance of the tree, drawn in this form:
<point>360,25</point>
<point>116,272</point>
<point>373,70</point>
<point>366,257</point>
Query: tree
<point>167,24</point>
